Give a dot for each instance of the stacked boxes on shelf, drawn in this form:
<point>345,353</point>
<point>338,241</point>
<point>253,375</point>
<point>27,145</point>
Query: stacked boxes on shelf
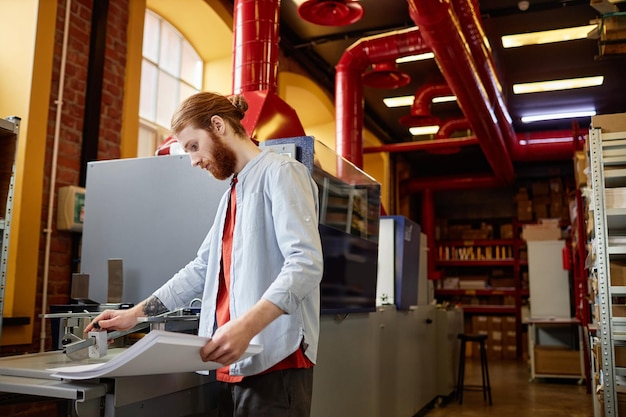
<point>546,199</point>
<point>501,336</point>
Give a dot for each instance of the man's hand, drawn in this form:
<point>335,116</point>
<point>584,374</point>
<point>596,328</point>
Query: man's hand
<point>113,320</point>
<point>126,319</point>
<point>227,344</point>
<point>231,340</point>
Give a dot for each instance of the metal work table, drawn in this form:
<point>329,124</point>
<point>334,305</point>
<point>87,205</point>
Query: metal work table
<point>184,394</point>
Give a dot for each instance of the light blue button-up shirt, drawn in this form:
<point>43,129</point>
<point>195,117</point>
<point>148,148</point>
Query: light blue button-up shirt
<point>277,255</point>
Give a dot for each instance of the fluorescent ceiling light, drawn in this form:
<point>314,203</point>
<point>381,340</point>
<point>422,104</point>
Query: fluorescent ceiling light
<point>402,101</point>
<point>399,101</point>
<point>548,36</point>
<point>555,85</point>
<point>413,58</point>
<point>444,99</point>
<point>556,116</point>
<point>544,141</point>
<point>424,130</point>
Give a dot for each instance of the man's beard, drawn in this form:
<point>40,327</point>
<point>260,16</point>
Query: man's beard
<point>225,159</point>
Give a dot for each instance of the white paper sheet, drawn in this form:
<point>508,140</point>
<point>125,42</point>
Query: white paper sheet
<point>159,352</point>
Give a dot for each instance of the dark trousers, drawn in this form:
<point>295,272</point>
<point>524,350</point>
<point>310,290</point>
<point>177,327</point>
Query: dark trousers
<point>285,393</point>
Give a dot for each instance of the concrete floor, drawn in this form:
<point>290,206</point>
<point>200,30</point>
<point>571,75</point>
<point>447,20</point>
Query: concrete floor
<point>514,395</point>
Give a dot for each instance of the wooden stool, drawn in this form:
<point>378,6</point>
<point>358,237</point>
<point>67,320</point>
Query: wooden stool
<point>486,386</point>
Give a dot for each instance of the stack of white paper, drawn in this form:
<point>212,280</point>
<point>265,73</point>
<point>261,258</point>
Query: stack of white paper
<point>159,352</point>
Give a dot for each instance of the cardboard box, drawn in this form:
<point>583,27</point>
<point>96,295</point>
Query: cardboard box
<point>522,195</point>
<point>556,209</point>
<point>551,360</point>
<point>618,310</point>
<point>500,282</point>
<point>540,210</point>
<point>480,324</point>
<point>508,323</point>
<point>581,166</point>
<point>506,231</point>
<point>613,34</point>
<point>615,197</point>
<point>610,122</point>
<point>509,352</point>
<point>620,356</point>
<point>494,323</point>
<point>542,200</point>
<point>509,338</point>
<point>556,186</point>
<point>540,188</point>
<point>617,270</point>
<point>495,336</point>
<point>541,232</point>
<point>524,210</point>
<point>508,300</point>
<point>475,234</point>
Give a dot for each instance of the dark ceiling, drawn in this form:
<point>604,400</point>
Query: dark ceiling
<point>319,48</point>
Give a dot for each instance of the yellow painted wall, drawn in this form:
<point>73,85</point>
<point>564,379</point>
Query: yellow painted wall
<point>132,79</point>
<point>26,68</point>
<point>218,76</point>
<point>378,166</point>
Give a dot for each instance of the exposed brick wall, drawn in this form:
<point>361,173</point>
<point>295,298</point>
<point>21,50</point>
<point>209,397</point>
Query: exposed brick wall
<point>69,151</point>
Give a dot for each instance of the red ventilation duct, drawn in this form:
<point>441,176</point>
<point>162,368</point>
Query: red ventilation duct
<point>386,75</point>
<point>449,183</point>
<point>418,121</point>
<point>538,146</point>
<point>471,26</point>
<point>424,97</point>
<point>255,64</point>
<point>450,126</point>
<point>349,84</point>
<point>441,30</point>
<point>424,145</point>
<point>331,12</point>
<point>548,145</point>
<point>420,109</point>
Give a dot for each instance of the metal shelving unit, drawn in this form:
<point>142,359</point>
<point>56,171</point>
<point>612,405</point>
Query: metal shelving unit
<point>608,161</point>
<point>9,130</point>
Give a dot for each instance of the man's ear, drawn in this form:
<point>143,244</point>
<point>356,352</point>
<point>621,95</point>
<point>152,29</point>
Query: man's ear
<point>218,124</point>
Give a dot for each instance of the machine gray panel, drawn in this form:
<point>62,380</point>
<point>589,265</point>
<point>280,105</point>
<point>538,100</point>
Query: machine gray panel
<point>151,212</point>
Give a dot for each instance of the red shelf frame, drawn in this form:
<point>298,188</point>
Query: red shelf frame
<point>489,309</point>
<point>477,242</point>
<point>486,291</point>
<point>493,262</point>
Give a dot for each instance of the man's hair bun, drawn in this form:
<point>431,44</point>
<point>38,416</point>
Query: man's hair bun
<point>240,104</point>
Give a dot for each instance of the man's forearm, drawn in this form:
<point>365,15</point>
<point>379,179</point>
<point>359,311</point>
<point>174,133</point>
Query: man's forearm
<point>260,315</point>
<point>152,306</point>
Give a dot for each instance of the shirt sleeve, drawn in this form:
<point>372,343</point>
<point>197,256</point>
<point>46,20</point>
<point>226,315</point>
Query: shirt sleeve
<point>294,198</point>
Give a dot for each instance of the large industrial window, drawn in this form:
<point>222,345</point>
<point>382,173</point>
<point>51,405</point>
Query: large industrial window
<point>171,71</point>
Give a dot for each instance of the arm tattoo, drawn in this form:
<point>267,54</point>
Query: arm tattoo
<point>154,307</point>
